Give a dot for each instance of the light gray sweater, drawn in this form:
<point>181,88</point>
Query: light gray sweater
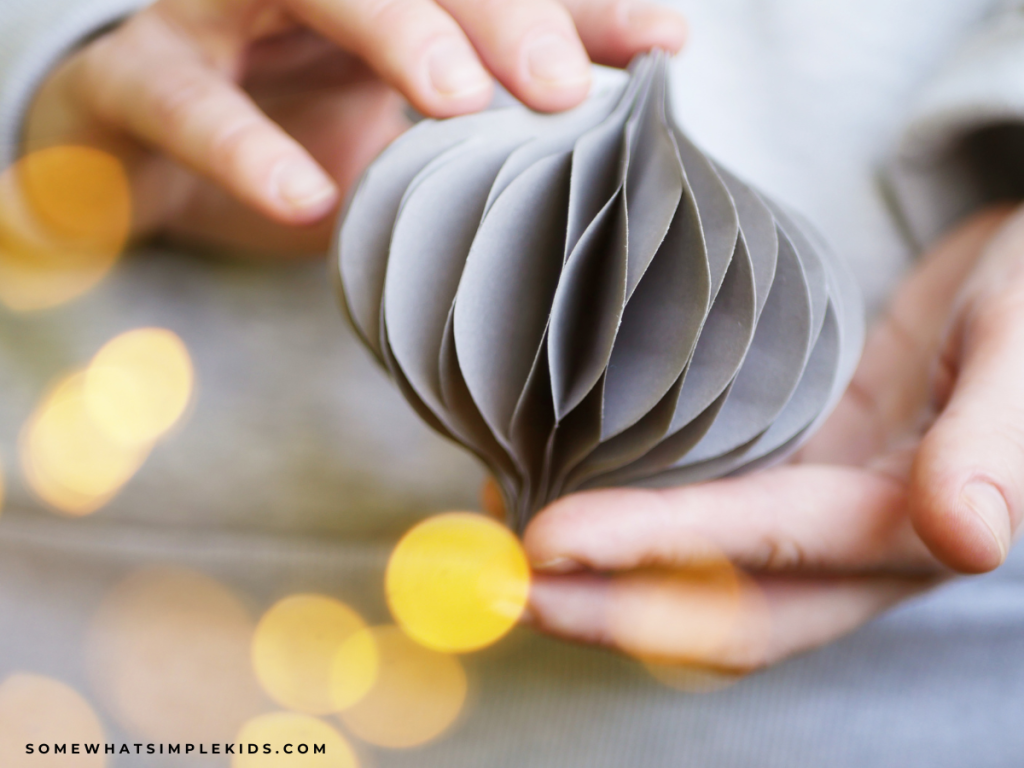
<point>300,464</point>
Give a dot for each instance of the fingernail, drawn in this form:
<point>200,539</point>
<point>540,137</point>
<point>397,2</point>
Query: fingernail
<point>303,185</point>
<point>555,60</point>
<point>455,70</point>
<point>985,500</point>
<point>558,565</point>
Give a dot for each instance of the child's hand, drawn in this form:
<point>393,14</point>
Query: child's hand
<point>920,470</point>
<point>235,117</point>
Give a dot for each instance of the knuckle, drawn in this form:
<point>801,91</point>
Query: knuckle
<point>388,10</point>
<point>230,142</point>
<point>100,75</point>
<point>998,314</point>
<point>514,18</point>
<point>774,553</point>
<point>617,12</point>
<point>402,17</point>
<point>397,33</point>
<point>1011,429</point>
<point>548,13</point>
<point>865,399</point>
<point>108,84</point>
<point>174,97</point>
<point>494,9</point>
<point>238,146</point>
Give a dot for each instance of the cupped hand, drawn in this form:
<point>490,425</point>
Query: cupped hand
<point>245,121</point>
<point>917,475</point>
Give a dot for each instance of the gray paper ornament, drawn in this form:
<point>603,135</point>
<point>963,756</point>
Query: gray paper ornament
<point>586,299</point>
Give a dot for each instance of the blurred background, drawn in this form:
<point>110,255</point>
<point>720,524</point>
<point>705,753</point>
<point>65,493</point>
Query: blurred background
<point>213,500</point>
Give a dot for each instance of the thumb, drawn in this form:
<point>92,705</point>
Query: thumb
<point>967,484</point>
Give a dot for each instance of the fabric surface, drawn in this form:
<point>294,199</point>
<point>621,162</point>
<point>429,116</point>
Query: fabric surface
<point>35,36</point>
<point>300,464</point>
<point>964,143</point>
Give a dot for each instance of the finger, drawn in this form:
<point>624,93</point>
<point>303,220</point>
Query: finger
<point>343,129</point>
<point>539,48</point>
<point>967,492</point>
<point>148,81</point>
<point>808,517</point>
<point>683,620</point>
<point>414,45</point>
<point>614,31</point>
<point>531,46</point>
<point>809,613</point>
<point>889,393</point>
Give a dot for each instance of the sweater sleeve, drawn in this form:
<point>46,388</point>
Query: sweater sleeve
<point>963,146</point>
<point>34,36</point>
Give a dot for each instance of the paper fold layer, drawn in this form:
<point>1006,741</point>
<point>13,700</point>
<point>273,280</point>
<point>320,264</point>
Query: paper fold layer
<point>586,299</point>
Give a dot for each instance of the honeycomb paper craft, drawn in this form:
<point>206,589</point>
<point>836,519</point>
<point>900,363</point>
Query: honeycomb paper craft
<point>586,299</point>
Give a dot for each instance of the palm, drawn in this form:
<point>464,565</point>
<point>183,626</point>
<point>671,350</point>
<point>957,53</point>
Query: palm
<point>831,538</point>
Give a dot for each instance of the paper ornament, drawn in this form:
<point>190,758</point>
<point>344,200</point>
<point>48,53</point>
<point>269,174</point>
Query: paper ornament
<point>586,299</point>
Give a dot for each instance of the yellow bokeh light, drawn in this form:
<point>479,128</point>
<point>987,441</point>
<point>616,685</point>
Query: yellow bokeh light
<point>167,651</point>
<point>309,654</point>
<point>418,694</point>
<point>69,461</point>
<point>353,669</point>
<point>93,431</point>
<point>139,384</point>
<point>457,582</point>
<point>284,731</point>
<point>65,217</point>
<point>41,711</point>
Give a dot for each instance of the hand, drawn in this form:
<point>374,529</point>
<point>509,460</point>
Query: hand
<point>918,474</point>
<point>244,121</point>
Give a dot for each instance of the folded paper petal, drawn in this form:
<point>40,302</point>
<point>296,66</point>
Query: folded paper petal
<point>587,299</point>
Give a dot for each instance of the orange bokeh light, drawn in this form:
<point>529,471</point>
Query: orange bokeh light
<point>310,655</point>
<point>41,711</point>
<point>167,652</point>
<point>65,217</point>
<point>696,628</point>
